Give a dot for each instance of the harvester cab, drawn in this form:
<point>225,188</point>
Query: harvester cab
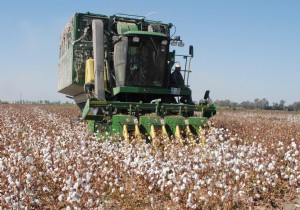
<point>118,71</point>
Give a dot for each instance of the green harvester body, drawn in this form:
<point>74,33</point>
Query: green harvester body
<point>118,69</point>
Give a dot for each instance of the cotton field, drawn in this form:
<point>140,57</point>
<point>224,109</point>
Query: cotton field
<point>49,160</point>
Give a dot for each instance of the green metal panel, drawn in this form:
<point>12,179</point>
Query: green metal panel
<point>147,121</point>
<point>86,110</point>
<point>161,109</point>
<point>209,111</point>
<point>78,23</point>
<point>195,123</point>
<point>74,53</point>
<point>119,120</point>
<point>91,125</point>
<point>149,90</point>
<point>111,116</point>
<point>172,121</point>
<point>123,27</point>
<point>113,123</point>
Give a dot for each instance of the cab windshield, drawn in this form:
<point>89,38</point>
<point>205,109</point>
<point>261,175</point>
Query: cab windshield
<point>146,61</point>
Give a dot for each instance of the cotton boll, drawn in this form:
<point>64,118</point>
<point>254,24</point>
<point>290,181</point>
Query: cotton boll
<point>2,168</point>
<point>294,145</point>
<point>208,180</point>
<point>260,167</point>
<point>88,176</point>
<point>185,180</point>
<point>169,183</point>
<point>29,159</point>
<point>60,197</point>
<point>17,183</point>
<point>76,185</point>
<point>7,199</point>
<point>150,187</point>
<point>10,180</point>
<point>69,183</point>
<point>46,189</point>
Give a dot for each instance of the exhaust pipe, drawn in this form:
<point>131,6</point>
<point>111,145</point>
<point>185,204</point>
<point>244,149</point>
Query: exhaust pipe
<point>98,47</point>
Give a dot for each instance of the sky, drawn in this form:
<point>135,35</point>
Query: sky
<point>243,49</point>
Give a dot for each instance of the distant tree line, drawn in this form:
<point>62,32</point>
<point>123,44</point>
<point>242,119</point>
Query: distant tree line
<point>35,102</point>
<point>262,104</point>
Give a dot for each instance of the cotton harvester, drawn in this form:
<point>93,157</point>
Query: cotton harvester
<point>117,69</point>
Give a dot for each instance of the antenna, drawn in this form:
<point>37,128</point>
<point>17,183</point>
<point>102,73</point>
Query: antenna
<point>149,13</point>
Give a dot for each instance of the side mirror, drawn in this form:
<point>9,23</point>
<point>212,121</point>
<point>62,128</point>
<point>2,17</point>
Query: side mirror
<point>191,50</point>
<point>177,38</point>
<point>180,44</point>
<point>206,95</point>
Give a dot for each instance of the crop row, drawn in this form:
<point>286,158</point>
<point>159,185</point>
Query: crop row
<point>48,160</point>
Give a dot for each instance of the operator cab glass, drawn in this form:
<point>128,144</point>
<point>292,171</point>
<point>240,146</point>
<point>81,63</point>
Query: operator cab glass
<point>140,61</point>
<point>146,61</point>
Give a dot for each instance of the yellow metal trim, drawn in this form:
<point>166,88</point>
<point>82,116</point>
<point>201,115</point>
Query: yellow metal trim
<point>89,71</point>
<point>125,133</point>
<point>177,132</point>
<point>152,132</point>
<point>201,134</point>
<point>137,133</point>
<point>98,103</point>
<point>105,77</point>
<point>188,131</point>
<point>164,131</point>
<point>155,140</point>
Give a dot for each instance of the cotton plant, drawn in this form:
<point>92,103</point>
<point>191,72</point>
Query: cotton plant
<point>46,161</point>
